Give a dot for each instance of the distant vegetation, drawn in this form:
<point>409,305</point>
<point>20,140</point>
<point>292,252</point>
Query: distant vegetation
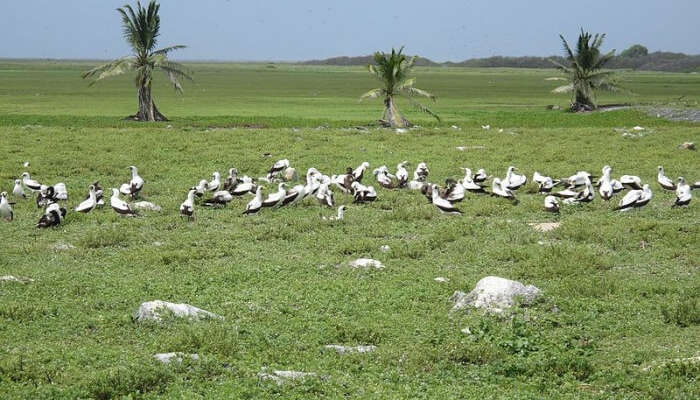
<point>636,57</point>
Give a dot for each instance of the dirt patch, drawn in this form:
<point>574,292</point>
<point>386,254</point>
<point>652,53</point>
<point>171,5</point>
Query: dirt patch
<point>545,226</point>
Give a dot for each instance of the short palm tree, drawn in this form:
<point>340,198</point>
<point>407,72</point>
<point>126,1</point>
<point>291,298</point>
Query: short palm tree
<point>141,30</point>
<point>584,71</point>
<point>393,70</point>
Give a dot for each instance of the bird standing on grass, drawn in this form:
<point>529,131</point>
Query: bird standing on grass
<point>683,195</point>
<point>18,190</point>
<point>120,206</point>
<point>135,185</point>
<point>255,204</point>
<point>443,205</point>
<point>53,216</point>
<point>6,207</point>
<point>551,204</point>
<point>88,204</point>
<point>187,207</point>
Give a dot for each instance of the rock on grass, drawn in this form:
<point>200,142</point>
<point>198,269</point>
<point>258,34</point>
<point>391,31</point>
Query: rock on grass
<point>146,206</point>
<point>350,349</point>
<point>156,309</point>
<point>280,377</point>
<point>495,294</point>
<point>11,278</point>
<point>167,358</point>
<point>366,263</point>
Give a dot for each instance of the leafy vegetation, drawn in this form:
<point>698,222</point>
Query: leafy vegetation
<point>141,31</point>
<point>393,72</point>
<point>607,278</point>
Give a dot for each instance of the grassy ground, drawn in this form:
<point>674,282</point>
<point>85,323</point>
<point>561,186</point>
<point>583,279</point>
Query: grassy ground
<point>625,286</point>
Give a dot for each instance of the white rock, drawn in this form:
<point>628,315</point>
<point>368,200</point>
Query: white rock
<point>153,311</point>
<point>350,349</point>
<point>63,246</point>
<point>494,294</point>
<point>385,248</point>
<point>486,127</point>
<point>637,128</point>
<point>466,331</point>
<point>145,205</point>
<point>401,130</point>
<point>460,148</point>
<point>167,358</point>
<point>280,377</point>
<point>366,263</point>
<point>454,127</point>
<point>10,278</point>
<point>25,164</point>
<point>441,279</point>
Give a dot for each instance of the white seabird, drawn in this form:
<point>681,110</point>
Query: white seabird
<point>468,182</point>
<point>231,180</point>
<point>220,198</point>
<point>18,190</point>
<point>499,189</point>
<point>187,206</point>
<point>359,172</point>
<point>383,178</point>
<point>585,196</point>
<point>443,205</point>
<point>200,188</point>
<point>98,194</point>
<point>324,195</point>
<point>480,176</point>
<point>30,183</point>
<point>215,183</point>
<point>454,191</point>
<point>545,184</point>
<point>255,204</point>
<point>421,172</point>
<point>579,178</point>
<point>362,193</point>
<point>402,173</point>
<point>61,193</point>
<point>634,199</point>
<point>243,188</point>
<point>341,213</point>
<point>514,181</point>
<point>606,189</point>
<point>5,207</point>
<point>683,195</point>
<point>88,204</point>
<point>664,181</point>
<point>120,206</point>
<point>276,198</point>
<point>53,215</point>
<point>551,204</point>
<point>631,181</point>
<point>135,184</point>
<point>277,168</point>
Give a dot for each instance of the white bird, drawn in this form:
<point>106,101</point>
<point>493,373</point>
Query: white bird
<point>213,185</point>
<point>631,181</point>
<point>135,184</point>
<point>5,207</point>
<point>344,181</point>
<point>53,215</point>
<point>455,191</point>
<point>383,178</point>
<point>30,183</point>
<point>443,205</point>
<point>276,198</point>
<point>277,167</point>
<point>255,204</point>
<point>362,193</point>
<point>634,199</point>
<point>47,194</point>
<point>60,191</point>
<point>220,198</point>
<point>514,181</point>
<point>294,195</point>
<point>359,172</point>
<point>545,184</point>
<point>402,173</point>
<point>421,172</point>
<point>88,204</point>
<point>18,190</point>
<point>585,196</point>
<point>683,195</point>
<point>567,193</point>
<point>606,190</point>
<point>664,181</point>
<point>98,194</point>
<point>341,213</point>
<point>187,206</point>
<point>231,180</point>
<point>324,195</point>
<point>120,206</point>
<point>579,178</point>
<point>499,189</point>
<point>551,204</point>
<point>486,127</point>
<point>480,176</point>
<point>243,188</point>
<point>200,188</point>
<point>468,182</point>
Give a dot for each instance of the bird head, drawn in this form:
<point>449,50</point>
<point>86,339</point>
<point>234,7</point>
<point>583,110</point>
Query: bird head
<point>17,181</point>
<point>25,175</point>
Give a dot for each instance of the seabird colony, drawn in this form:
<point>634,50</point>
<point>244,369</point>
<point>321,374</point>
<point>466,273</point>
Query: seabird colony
<point>575,189</point>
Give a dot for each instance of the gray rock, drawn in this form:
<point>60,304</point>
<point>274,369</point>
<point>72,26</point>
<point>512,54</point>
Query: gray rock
<point>11,278</point>
<point>290,174</point>
<point>154,310</point>
<point>280,377</point>
<point>366,263</point>
<point>146,206</point>
<point>63,246</point>
<point>350,349</point>
<point>495,294</point>
<point>441,279</point>
<point>167,358</point>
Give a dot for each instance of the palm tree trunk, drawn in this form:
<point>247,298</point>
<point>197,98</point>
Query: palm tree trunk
<point>392,117</point>
<point>147,107</point>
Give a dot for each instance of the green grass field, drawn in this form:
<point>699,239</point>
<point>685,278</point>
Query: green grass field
<point>620,290</point>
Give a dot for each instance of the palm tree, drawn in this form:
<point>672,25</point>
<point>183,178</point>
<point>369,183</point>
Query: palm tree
<point>584,71</point>
<point>141,30</point>
<point>393,70</point>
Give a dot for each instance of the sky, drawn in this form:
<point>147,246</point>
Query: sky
<point>294,30</point>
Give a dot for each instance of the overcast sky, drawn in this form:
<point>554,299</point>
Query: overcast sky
<point>288,30</point>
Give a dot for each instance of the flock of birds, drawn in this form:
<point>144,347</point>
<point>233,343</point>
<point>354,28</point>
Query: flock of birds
<point>578,188</point>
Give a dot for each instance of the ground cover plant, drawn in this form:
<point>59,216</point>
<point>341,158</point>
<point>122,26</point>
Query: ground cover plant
<point>618,318</point>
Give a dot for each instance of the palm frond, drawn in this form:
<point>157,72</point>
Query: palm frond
<point>113,68</point>
<point>424,109</point>
<point>167,50</point>
<point>411,91</point>
<point>372,94</point>
<point>564,89</point>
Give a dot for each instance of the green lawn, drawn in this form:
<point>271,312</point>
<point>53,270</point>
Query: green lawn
<point>620,290</point>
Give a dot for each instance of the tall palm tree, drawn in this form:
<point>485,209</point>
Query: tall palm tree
<point>393,70</point>
<point>141,30</point>
<point>584,71</point>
